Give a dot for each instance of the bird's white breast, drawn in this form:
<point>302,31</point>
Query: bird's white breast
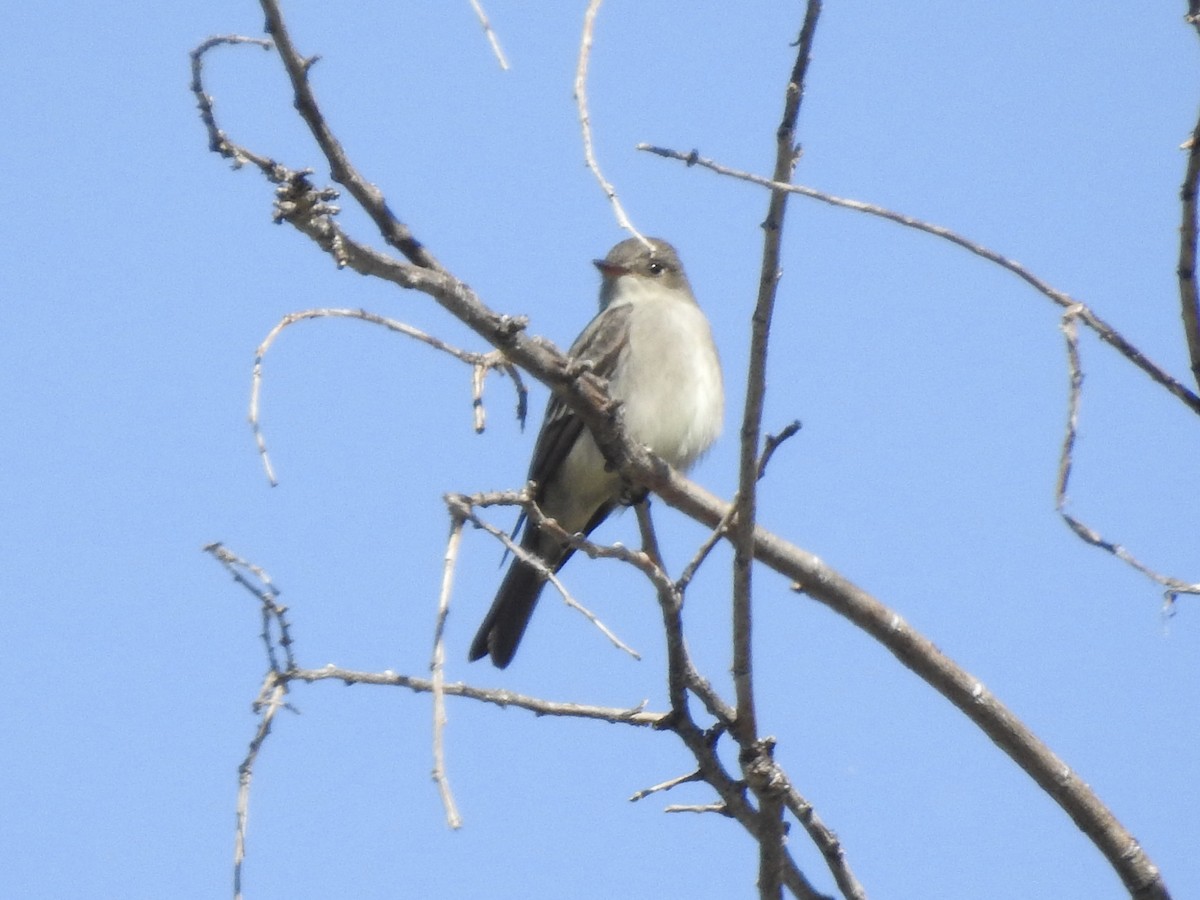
<point>670,379</point>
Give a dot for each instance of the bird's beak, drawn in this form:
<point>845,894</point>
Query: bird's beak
<point>609,270</point>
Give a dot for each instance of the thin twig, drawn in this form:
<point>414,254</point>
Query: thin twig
<point>742,528</point>
<point>1173,587</point>
<point>217,141</point>
<point>461,506</point>
<point>491,35</point>
<point>481,363</point>
<point>670,603</point>
<point>273,690</point>
<point>1106,332</point>
<point>825,839</point>
<point>666,785</point>
<point>772,444</point>
<point>720,530</point>
<point>585,122</point>
<point>1189,300</point>
<point>634,715</point>
<point>271,693</point>
<point>369,197</point>
<point>697,808</point>
<point>682,675</point>
<point>646,561</point>
<point>266,592</point>
<point>496,360</point>
<point>732,793</point>
<point>438,679</point>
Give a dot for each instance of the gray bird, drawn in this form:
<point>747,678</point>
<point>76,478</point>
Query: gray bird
<point>654,345</point>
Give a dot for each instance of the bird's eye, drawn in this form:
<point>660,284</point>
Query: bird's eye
<point>655,267</point>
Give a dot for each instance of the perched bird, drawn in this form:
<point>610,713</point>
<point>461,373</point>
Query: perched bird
<point>655,347</point>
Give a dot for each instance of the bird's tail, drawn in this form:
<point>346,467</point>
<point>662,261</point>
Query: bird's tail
<point>505,622</point>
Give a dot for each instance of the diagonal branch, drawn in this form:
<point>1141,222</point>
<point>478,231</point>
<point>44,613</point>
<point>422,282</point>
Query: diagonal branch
<point>369,197</point>
<point>1103,330</point>
<point>491,34</point>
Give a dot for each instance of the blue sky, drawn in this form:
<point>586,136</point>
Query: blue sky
<point>140,274</point>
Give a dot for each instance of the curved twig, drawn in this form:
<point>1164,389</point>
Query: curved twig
<point>481,363</point>
<point>585,121</point>
<point>1103,330</point>
<point>1172,587</point>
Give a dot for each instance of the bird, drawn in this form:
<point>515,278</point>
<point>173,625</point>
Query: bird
<point>654,345</point>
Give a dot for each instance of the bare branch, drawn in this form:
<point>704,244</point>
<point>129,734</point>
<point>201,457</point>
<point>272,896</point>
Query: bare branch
<point>270,701</point>
<point>491,35</point>
<point>826,840</point>
<point>585,122</point>
<point>438,681</point>
<point>217,141</point>
<point>635,715</point>
<point>487,362</point>
<point>586,396</point>
<point>369,197</point>
<point>481,363</point>
<point>1188,297</point>
<point>1173,587</point>
<point>772,444</point>
<point>732,793</point>
<point>770,831</point>
<point>682,677</point>
<point>1106,332</point>
<point>770,849</point>
<point>266,592</point>
<point>697,808</point>
<point>461,506</point>
<point>666,785</point>
<point>670,603</point>
<point>721,530</point>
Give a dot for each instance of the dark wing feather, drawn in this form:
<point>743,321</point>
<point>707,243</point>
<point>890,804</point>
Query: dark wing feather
<point>600,344</point>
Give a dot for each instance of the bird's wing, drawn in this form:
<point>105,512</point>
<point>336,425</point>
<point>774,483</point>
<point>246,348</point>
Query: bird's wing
<point>600,344</point>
